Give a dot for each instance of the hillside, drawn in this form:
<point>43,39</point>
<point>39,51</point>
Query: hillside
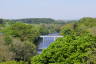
<point>38,20</point>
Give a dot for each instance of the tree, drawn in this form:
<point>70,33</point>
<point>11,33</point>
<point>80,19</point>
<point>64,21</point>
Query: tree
<point>21,40</point>
<point>5,53</point>
<point>68,50</point>
<point>22,31</point>
<point>1,21</point>
<point>23,50</point>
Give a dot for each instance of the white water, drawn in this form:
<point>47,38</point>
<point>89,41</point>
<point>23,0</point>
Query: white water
<point>46,41</point>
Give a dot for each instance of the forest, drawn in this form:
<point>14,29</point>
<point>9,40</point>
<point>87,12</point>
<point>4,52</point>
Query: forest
<point>19,40</point>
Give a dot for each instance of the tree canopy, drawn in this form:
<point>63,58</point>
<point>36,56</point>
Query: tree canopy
<point>19,41</point>
<point>68,50</point>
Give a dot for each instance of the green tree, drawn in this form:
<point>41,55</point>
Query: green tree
<point>5,53</point>
<point>20,38</point>
<point>23,50</point>
<point>8,40</point>
<point>68,50</point>
<point>22,31</point>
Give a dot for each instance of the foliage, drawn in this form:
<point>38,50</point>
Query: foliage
<point>49,28</point>
<point>23,50</point>
<point>5,53</point>
<point>13,62</point>
<point>7,40</point>
<point>68,50</point>
<point>22,31</point>
<point>86,24</point>
<point>16,50</point>
<point>20,38</point>
<point>18,41</point>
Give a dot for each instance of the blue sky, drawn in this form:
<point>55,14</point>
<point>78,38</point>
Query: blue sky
<point>57,9</point>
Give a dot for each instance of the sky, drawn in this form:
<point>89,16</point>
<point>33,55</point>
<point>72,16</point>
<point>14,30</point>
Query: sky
<point>56,9</point>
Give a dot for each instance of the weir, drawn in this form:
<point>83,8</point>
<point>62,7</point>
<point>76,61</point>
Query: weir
<point>47,39</point>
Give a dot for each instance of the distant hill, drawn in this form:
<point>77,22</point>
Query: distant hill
<point>37,20</point>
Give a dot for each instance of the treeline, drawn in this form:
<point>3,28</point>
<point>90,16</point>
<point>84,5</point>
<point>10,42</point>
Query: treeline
<point>39,21</point>
<point>19,41</point>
